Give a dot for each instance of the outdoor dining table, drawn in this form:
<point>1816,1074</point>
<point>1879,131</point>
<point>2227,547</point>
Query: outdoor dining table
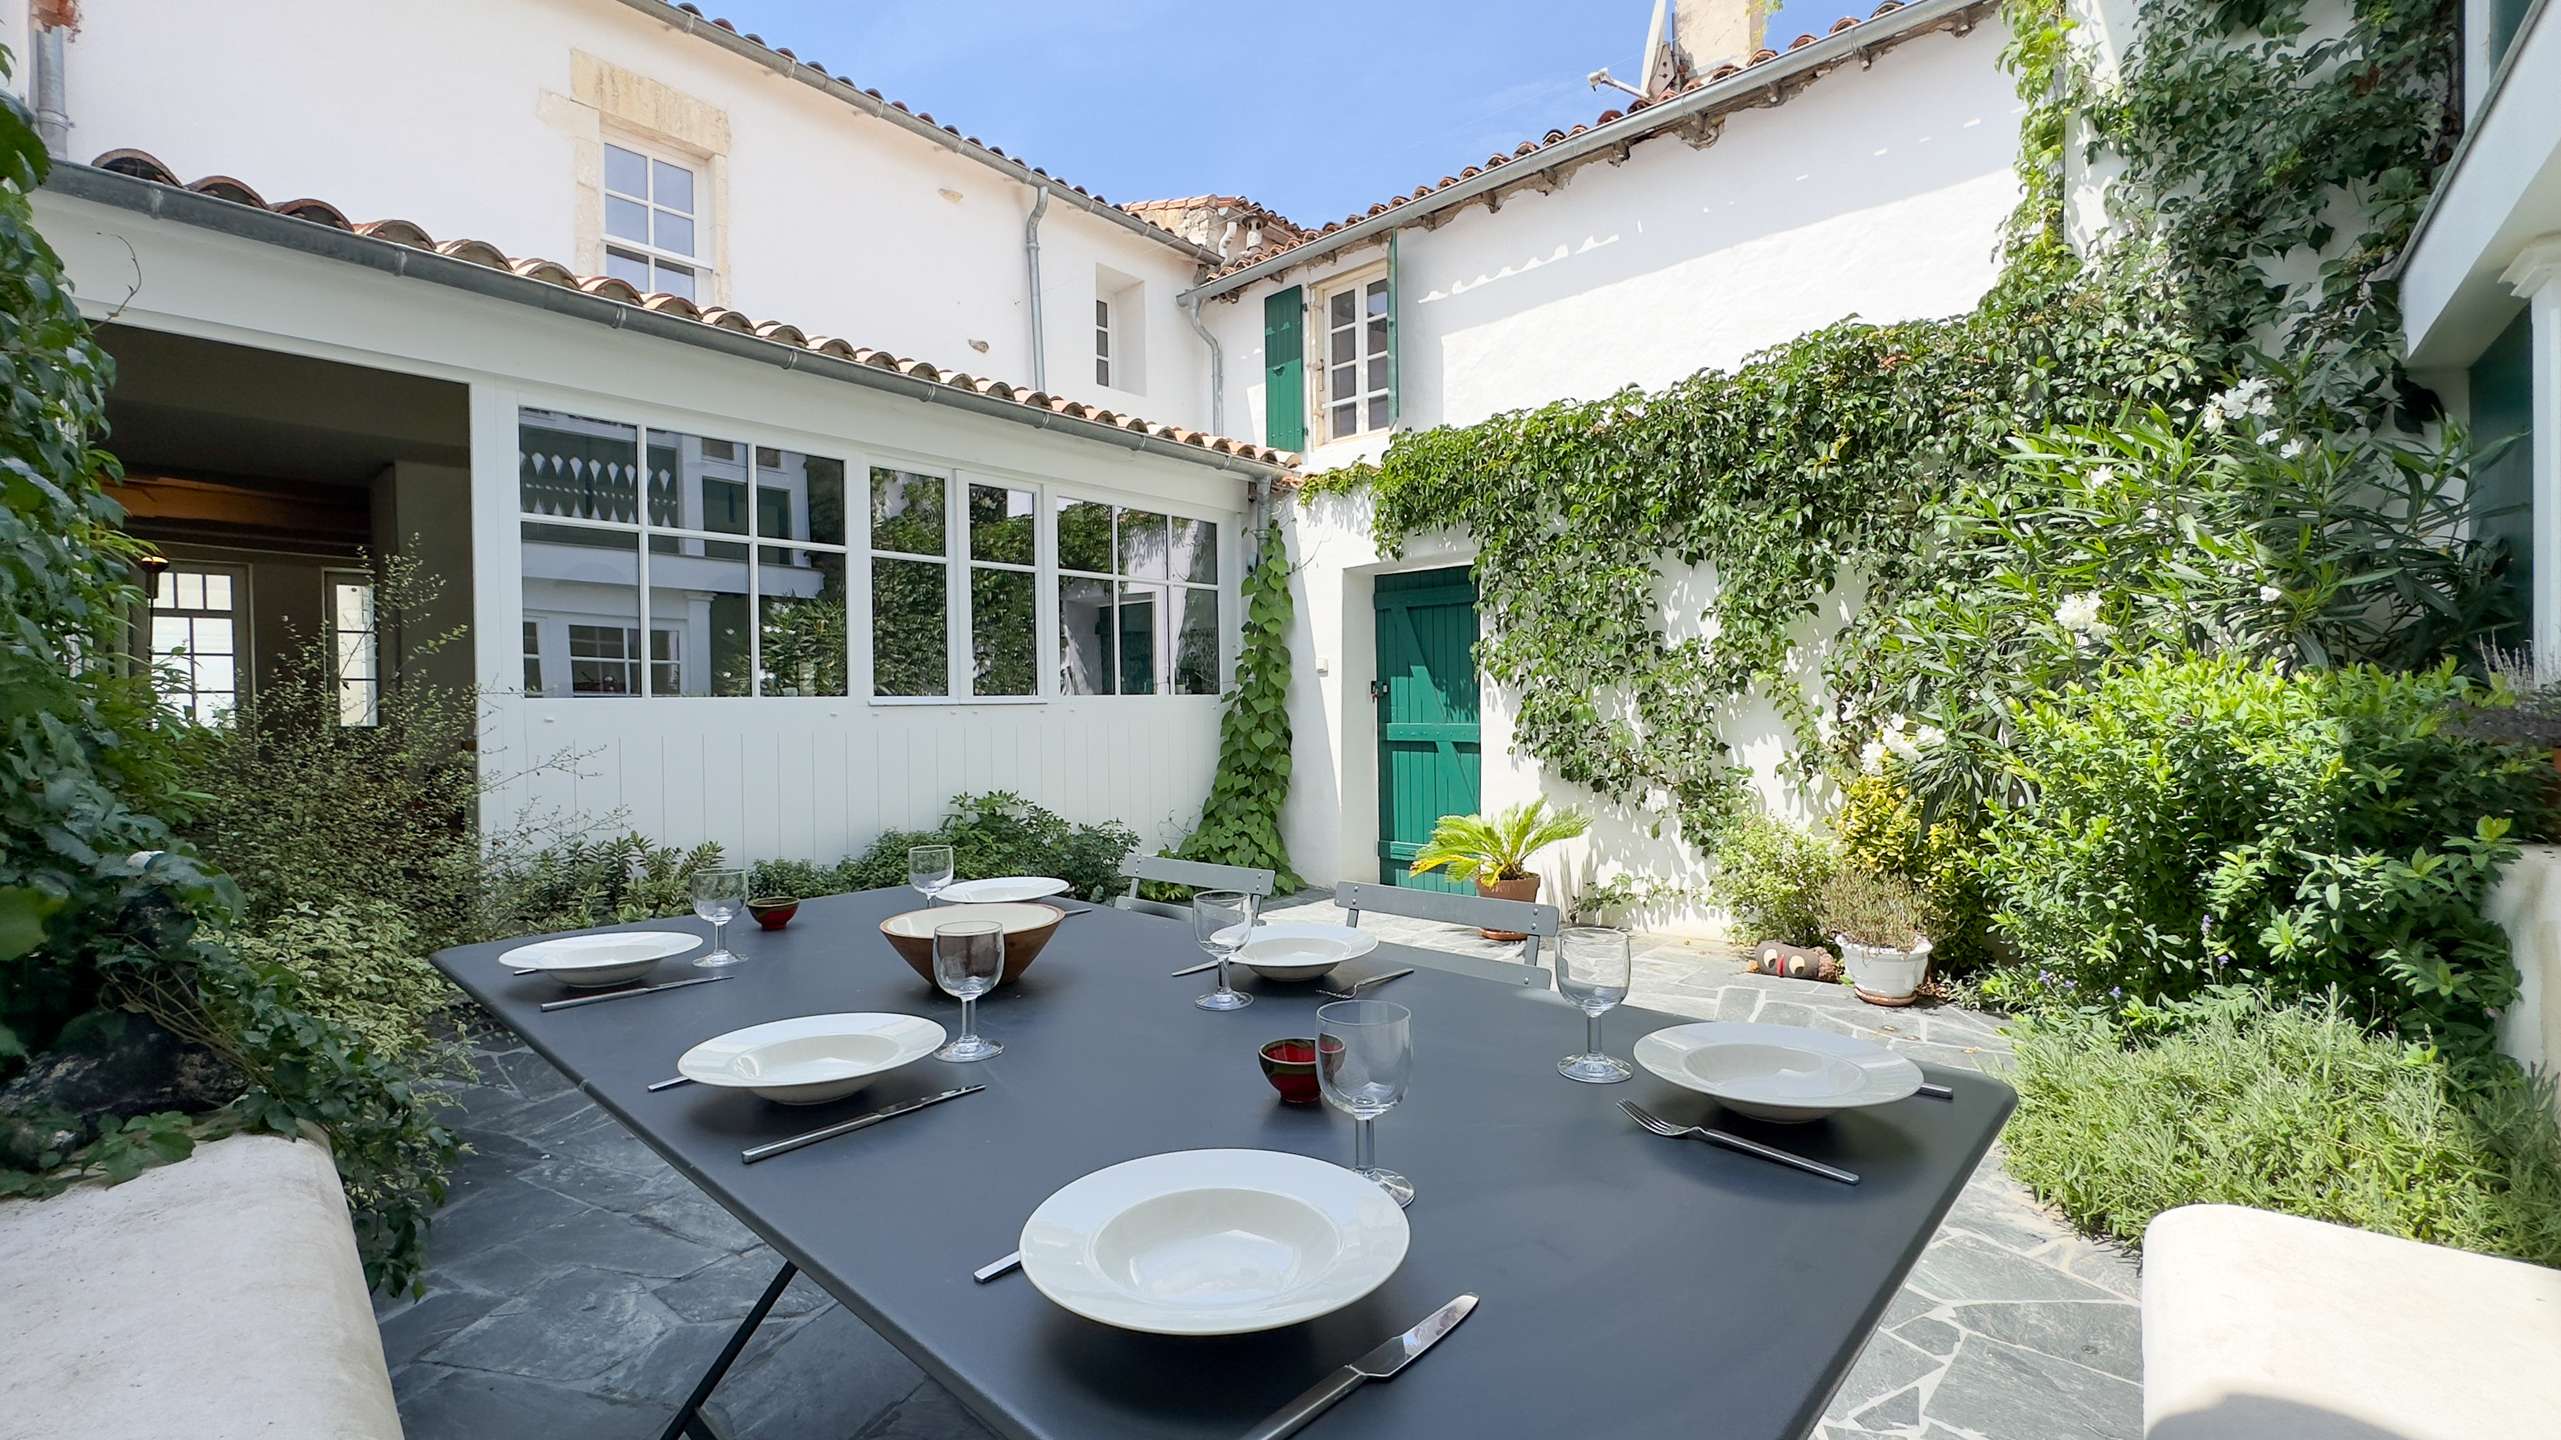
<point>1630,1285</point>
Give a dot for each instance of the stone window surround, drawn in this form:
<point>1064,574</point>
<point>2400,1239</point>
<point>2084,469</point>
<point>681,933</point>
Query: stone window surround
<point>604,101</point>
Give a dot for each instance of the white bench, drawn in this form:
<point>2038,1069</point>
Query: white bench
<point>218,1298</point>
<point>2259,1326</point>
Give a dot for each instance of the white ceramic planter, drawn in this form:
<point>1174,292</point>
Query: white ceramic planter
<point>1884,975</point>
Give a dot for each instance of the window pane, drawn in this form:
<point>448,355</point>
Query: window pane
<point>626,219</point>
<point>1000,524</point>
<point>1004,656</point>
<point>906,514</point>
<point>1196,551</point>
<point>213,672</point>
<point>630,269</point>
<point>584,469</point>
<point>698,596</point>
<point>217,592</point>
<point>803,635</point>
<point>1346,420</point>
<point>1343,380</point>
<point>1344,346</point>
<point>168,635</point>
<point>1195,630</point>
<point>1102,314</point>
<point>675,186</point>
<point>1102,372</point>
<point>1378,342</point>
<point>582,603</point>
<point>908,615</point>
<point>1084,536</point>
<point>674,279</point>
<point>350,604</point>
<point>1339,309</point>
<point>1378,372</point>
<point>191,590</point>
<point>690,488</point>
<point>1085,642</point>
<point>1102,342</point>
<point>1142,544</point>
<point>1378,413</point>
<point>1142,610</point>
<point>356,702</point>
<point>1377,297</point>
<point>675,232</point>
<point>626,171</point>
<point>211,637</point>
<point>811,491</point>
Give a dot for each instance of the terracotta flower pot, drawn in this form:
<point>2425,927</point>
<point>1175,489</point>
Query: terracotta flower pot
<point>1524,887</point>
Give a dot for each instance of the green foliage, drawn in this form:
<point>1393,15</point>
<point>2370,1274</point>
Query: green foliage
<point>100,906</point>
<point>1001,833</point>
<point>1240,821</point>
<point>1880,828</point>
<point>580,883</point>
<point>2295,1109</point>
<point>1471,847</point>
<point>1863,907</point>
<point>1770,876</point>
<point>2186,823</point>
<point>361,964</point>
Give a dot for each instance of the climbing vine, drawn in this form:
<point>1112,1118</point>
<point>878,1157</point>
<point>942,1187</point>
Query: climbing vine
<point>1806,477</point>
<point>1240,822</point>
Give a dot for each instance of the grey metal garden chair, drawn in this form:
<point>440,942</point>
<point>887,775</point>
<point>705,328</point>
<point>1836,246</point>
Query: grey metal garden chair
<point>1538,922</point>
<point>1198,874</point>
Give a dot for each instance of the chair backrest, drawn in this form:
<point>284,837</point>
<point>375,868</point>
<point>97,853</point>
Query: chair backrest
<point>1524,917</point>
<point>1197,874</point>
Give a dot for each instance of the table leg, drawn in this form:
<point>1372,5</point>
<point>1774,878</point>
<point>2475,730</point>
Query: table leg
<point>688,1421</point>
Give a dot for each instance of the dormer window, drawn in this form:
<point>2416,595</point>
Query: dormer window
<point>655,228</point>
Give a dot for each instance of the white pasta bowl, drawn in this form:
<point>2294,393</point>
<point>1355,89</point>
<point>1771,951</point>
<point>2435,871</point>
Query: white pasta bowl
<point>1001,888</point>
<point>1213,1242</point>
<point>1294,951</point>
<point>1778,1072</point>
<point>811,1059</point>
<point>607,959</point>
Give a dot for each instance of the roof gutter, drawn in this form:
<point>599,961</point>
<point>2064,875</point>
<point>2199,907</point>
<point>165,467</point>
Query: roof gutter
<point>848,93</point>
<point>1829,51</point>
<point>247,222</point>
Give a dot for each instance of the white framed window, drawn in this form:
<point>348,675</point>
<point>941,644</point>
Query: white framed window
<point>657,220</point>
<point>355,647</point>
<point>1351,343</point>
<point>730,559</point>
<point>1137,600</point>
<point>198,619</point>
<point>1102,341</point>
<point>1004,589</point>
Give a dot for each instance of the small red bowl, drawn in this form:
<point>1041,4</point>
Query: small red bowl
<point>1291,1067</point>
<point>773,911</point>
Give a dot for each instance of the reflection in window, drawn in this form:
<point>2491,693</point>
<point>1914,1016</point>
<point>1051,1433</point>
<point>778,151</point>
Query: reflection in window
<point>1004,632</point>
<point>588,579</point>
<point>195,639</point>
<point>584,469</point>
<point>801,637</point>
<point>910,597</point>
<point>907,513</point>
<point>1144,619</point>
<point>699,589</point>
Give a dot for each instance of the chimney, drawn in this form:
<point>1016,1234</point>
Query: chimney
<point>1692,37</point>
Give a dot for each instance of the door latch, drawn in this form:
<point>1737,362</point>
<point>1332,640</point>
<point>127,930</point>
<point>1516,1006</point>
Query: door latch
<point>1377,691</point>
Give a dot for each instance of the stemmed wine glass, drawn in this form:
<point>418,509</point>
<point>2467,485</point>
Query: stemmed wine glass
<point>718,897</point>
<point>1364,1056</point>
<point>1221,922</point>
<point>929,870</point>
<point>1592,972</point>
<point>969,956</point>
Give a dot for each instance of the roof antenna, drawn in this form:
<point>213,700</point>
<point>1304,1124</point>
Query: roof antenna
<point>1652,73</point>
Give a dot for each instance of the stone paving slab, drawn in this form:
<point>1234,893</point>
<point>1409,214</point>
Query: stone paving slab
<point>576,1286</point>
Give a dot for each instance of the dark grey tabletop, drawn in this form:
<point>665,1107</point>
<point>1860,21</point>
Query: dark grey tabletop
<point>1631,1285</point>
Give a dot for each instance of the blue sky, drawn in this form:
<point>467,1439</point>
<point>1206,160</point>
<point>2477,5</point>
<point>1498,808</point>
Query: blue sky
<point>1337,106</point>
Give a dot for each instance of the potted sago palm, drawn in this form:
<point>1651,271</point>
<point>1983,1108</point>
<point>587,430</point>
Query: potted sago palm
<point>1495,853</point>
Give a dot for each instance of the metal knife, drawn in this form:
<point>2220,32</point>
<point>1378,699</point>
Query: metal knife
<point>768,1151</point>
<point>1195,969</point>
<point>623,994</point>
<point>1379,1364</point>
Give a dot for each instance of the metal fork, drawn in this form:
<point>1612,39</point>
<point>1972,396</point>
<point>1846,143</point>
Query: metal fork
<point>1669,1130</point>
<point>1357,986</point>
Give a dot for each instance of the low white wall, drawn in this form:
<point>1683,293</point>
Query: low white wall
<point>2527,905</point>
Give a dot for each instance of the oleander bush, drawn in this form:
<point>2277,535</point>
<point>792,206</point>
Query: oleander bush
<point>2185,823</point>
<point>2296,1108</point>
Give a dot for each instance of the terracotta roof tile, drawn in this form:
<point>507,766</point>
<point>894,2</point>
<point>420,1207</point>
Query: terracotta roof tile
<point>142,165</point>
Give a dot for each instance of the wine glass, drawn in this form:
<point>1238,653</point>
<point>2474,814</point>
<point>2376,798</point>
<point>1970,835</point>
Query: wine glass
<point>718,897</point>
<point>1364,1056</point>
<point>969,956</point>
<point>1221,920</point>
<point>1592,971</point>
<point>929,870</point>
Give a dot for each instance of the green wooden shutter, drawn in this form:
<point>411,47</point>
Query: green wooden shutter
<point>1285,369</point>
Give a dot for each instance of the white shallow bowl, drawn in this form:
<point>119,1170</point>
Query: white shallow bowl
<point>1001,888</point>
<point>811,1059</point>
<point>1213,1242</point>
<point>1302,951</point>
<point>1778,1072</point>
<point>608,959</point>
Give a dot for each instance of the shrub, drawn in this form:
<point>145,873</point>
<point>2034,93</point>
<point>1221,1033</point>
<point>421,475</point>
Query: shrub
<point>581,883</point>
<point>1880,828</point>
<point>2201,821</point>
<point>1001,833</point>
<point>360,964</point>
<point>1770,876</point>
<point>1862,907</point>
<point>2293,1108</point>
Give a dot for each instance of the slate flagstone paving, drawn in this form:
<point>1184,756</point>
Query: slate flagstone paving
<point>576,1285</point>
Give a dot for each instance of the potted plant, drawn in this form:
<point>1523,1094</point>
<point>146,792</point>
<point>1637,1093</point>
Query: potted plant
<point>1876,920</point>
<point>1495,853</point>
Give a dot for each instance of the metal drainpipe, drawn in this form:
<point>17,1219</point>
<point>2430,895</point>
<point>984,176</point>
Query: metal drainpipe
<point>46,87</point>
<point>1031,265</point>
<point>1217,369</point>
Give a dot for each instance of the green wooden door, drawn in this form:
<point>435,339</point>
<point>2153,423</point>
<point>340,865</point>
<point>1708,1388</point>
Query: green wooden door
<point>1430,759</point>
